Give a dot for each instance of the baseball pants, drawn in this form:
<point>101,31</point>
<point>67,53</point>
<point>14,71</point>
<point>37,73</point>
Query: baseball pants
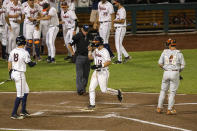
<point>170,81</point>
<point>100,78</point>
<point>50,40</point>
<point>24,29</point>
<point>104,31</point>
<point>12,36</point>
<point>44,27</point>
<point>119,36</point>
<point>68,34</point>
<point>20,82</point>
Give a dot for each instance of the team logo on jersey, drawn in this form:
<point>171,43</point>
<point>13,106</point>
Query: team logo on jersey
<point>33,11</point>
<point>102,8</point>
<point>66,16</point>
<point>96,54</point>
<point>1,12</point>
<point>15,9</point>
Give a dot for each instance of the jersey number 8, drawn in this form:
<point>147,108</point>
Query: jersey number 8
<point>16,57</point>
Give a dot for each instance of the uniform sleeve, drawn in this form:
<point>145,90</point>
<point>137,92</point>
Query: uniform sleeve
<point>27,57</point>
<point>52,12</point>
<point>161,59</point>
<point>10,59</point>
<point>111,9</point>
<point>75,39</point>
<point>182,61</point>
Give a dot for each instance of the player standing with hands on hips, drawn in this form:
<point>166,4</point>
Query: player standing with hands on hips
<point>172,62</point>
<point>120,26</point>
<point>101,73</point>
<point>105,19</point>
<point>52,31</point>
<point>17,61</point>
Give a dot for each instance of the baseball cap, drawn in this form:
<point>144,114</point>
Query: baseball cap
<point>119,1</point>
<point>85,28</point>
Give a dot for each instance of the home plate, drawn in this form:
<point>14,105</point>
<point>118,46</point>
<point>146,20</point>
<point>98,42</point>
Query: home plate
<point>37,113</point>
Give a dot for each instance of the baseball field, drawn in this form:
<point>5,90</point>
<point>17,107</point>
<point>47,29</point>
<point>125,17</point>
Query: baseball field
<point>55,105</point>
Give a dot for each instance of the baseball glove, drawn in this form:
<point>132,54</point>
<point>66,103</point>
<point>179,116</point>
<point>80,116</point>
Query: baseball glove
<point>93,67</point>
<point>10,73</point>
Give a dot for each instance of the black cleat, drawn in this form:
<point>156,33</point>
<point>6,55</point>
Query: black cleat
<point>68,57</point>
<point>119,95</point>
<point>118,62</point>
<point>25,114</point>
<point>127,59</point>
<point>91,107</point>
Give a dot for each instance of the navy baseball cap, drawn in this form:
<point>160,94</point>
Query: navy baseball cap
<point>86,28</point>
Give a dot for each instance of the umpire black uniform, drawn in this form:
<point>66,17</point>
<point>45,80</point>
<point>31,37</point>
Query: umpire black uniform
<point>82,41</point>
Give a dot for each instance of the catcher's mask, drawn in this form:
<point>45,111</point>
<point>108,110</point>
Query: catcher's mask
<point>171,42</point>
<point>98,41</point>
<point>20,40</point>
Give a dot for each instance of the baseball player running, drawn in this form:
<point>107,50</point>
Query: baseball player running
<point>3,38</point>
<point>105,18</point>
<point>120,26</point>
<point>69,23</point>
<point>172,62</point>
<point>44,24</point>
<point>52,32</point>
<point>32,13</point>
<point>101,73</point>
<point>14,17</point>
<point>17,61</point>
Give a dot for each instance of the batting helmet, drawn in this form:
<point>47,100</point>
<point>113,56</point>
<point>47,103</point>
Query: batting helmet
<point>171,42</point>
<point>98,41</point>
<point>86,28</point>
<point>20,40</point>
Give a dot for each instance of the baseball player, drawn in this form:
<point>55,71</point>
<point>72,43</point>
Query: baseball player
<point>172,62</point>
<point>105,18</point>
<point>120,26</point>
<point>24,5</point>
<point>101,73</point>
<point>14,17</point>
<point>17,61</point>
<point>3,38</point>
<point>44,24</point>
<point>69,23</point>
<point>52,32</point>
<point>32,13</point>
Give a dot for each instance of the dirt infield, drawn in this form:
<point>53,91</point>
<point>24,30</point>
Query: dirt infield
<point>62,111</point>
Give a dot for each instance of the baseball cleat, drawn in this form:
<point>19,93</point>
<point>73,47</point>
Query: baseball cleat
<point>119,95</point>
<point>118,62</point>
<point>171,112</point>
<point>90,108</point>
<point>15,116</point>
<point>127,59</point>
<point>25,114</point>
<point>159,110</point>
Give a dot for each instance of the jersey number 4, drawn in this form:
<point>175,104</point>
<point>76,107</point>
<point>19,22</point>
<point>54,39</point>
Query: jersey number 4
<point>16,57</point>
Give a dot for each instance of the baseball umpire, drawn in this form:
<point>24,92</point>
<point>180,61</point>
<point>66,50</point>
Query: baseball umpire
<point>17,61</point>
<point>172,62</point>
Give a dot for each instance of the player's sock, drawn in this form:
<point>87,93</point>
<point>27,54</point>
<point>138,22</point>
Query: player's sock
<point>24,101</point>
<point>109,49</point>
<point>16,104</point>
<point>42,49</point>
<point>3,52</point>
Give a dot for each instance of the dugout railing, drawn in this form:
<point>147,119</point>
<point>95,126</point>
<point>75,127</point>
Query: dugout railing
<point>144,18</point>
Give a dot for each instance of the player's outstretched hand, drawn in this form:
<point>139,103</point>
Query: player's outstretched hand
<point>93,67</point>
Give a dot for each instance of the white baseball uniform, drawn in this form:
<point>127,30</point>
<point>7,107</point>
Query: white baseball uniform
<point>24,5</point>
<point>44,24</point>
<point>31,31</point>
<point>173,62</point>
<point>13,10</point>
<point>71,5</point>
<point>69,18</point>
<point>100,76</point>
<point>52,32</point>
<point>120,33</point>
<point>19,57</point>
<point>104,11</point>
<point>3,37</point>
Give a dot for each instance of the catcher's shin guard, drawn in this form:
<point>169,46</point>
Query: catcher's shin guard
<point>29,45</point>
<point>37,46</point>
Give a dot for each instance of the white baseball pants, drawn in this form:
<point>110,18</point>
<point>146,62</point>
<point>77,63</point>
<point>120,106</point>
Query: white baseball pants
<point>3,37</point>
<point>119,36</point>
<point>12,35</point>
<point>170,81</point>
<point>100,78</point>
<point>24,29</point>
<point>31,32</point>
<point>44,27</point>
<point>104,31</point>
<point>50,40</point>
<point>20,82</point>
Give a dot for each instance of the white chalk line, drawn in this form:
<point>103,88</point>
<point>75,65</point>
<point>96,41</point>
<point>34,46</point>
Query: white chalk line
<point>10,129</point>
<point>45,92</point>
<point>132,119</point>
<point>178,104</point>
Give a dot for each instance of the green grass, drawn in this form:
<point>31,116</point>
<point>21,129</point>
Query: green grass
<point>141,74</point>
